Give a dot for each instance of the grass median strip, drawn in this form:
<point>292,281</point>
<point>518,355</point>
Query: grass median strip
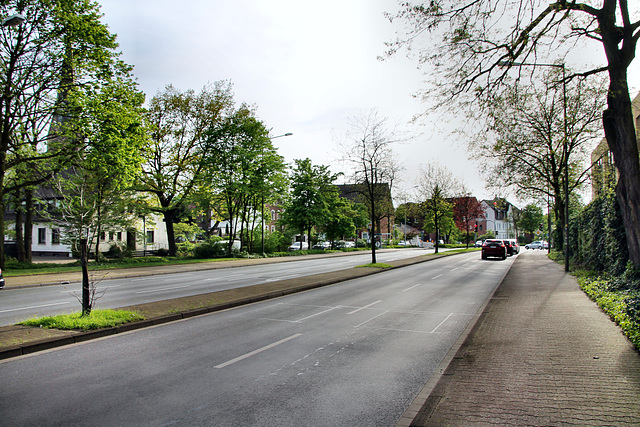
<point>98,319</point>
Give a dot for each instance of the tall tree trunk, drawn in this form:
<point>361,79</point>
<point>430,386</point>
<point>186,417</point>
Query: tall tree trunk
<point>621,137</point>
<point>373,231</point>
<point>28,224</point>
<point>619,123</point>
<point>86,297</point>
<point>171,235</point>
<point>20,252</point>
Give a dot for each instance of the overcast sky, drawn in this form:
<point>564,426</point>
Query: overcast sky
<point>307,66</point>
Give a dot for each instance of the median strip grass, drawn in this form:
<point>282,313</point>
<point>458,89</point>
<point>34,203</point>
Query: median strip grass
<point>98,319</point>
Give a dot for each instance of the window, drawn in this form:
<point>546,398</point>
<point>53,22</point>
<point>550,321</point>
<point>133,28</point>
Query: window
<point>103,236</point>
<point>273,215</point>
<point>119,235</point>
<point>111,235</point>
<point>42,236</point>
<point>149,236</point>
<point>55,236</point>
<point>273,228</point>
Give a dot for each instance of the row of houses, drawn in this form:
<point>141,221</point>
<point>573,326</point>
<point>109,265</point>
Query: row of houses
<point>148,233</point>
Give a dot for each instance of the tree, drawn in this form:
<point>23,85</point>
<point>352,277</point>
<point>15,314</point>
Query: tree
<point>242,167</point>
<point>368,151</point>
<point>525,147</point>
<point>178,122</point>
<point>531,219</point>
<point>340,221</point>
<point>312,191</point>
<point>466,210</point>
<point>437,184</point>
<point>472,48</point>
<point>61,46</point>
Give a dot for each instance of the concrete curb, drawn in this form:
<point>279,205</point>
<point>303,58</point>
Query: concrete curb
<point>311,282</point>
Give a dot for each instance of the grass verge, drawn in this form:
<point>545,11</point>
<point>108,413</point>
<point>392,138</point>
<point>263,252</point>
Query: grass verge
<point>621,304</point>
<point>98,319</point>
<point>376,265</point>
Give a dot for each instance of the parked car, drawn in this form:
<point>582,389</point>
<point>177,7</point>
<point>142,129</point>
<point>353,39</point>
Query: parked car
<point>478,244</point>
<point>403,243</point>
<point>494,248</point>
<point>340,244</point>
<point>322,245</point>
<point>538,244</point>
<point>516,246</point>
<point>297,246</point>
<point>1,280</point>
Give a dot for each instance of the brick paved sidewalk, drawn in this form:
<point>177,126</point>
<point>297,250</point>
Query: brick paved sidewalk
<point>541,354</point>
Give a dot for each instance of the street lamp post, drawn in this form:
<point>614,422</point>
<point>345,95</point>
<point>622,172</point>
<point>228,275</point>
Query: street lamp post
<point>13,20</point>
<point>271,138</point>
<point>565,146</point>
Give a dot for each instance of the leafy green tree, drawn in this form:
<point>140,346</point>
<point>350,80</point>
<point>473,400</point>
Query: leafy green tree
<point>60,47</point>
<point>110,119</point>
<point>242,167</point>
<point>473,39</point>
<point>340,221</point>
<point>178,123</point>
<point>531,219</point>
<point>311,190</point>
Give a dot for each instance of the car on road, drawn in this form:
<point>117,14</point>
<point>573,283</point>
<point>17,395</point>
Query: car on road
<point>494,248</point>
<point>512,246</point>
<point>538,244</point>
<point>1,280</point>
<point>478,244</point>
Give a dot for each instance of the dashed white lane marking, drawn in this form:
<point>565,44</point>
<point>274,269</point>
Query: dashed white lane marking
<point>34,306</point>
<point>442,323</point>
<point>365,307</point>
<point>162,289</point>
<point>253,353</point>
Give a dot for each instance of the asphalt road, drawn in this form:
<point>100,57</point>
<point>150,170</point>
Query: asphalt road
<point>354,353</point>
<point>20,304</point>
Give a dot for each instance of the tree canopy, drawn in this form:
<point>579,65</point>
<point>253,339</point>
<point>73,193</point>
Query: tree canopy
<point>470,46</point>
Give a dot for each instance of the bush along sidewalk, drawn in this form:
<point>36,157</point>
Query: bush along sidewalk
<point>619,297</point>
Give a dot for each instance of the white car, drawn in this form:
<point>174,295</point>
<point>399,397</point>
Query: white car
<point>534,245</point>
<point>297,246</point>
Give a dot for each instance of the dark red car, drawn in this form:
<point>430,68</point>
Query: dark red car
<point>494,248</point>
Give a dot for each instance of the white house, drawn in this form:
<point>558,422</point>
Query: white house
<point>498,218</point>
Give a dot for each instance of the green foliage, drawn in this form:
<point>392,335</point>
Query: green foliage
<point>488,235</point>
<point>598,237</point>
<point>98,319</point>
<point>312,193</point>
<point>213,247</point>
<point>621,303</point>
<point>530,218</point>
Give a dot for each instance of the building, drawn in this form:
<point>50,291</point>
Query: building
<point>604,172</point>
<point>499,218</point>
<point>146,233</point>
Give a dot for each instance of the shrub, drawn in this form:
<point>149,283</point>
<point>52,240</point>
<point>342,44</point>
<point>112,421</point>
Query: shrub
<point>211,248</point>
<point>598,236</point>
